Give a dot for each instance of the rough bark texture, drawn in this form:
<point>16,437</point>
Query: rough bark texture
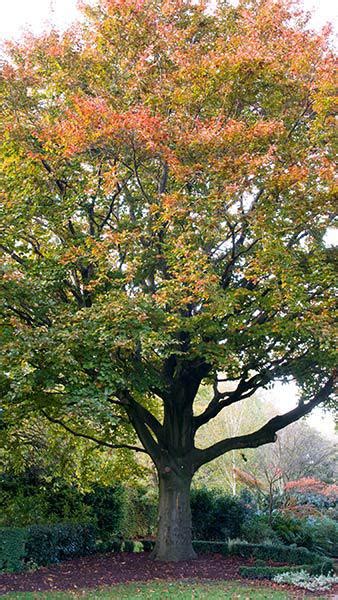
<point>174,538</point>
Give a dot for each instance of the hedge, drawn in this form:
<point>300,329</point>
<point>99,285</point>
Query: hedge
<point>276,552</point>
<point>48,544</point>
<point>293,555</point>
<point>216,516</point>
<point>44,544</point>
<point>109,508</point>
<point>119,545</point>
<point>148,545</point>
<point>12,549</point>
<point>205,547</point>
<point>267,572</point>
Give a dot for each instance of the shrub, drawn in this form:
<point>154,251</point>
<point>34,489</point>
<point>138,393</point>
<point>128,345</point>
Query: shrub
<point>204,547</point>
<point>264,552</point>
<point>132,546</point>
<point>148,545</point>
<point>229,515</point>
<point>202,503</point>
<point>312,492</point>
<point>291,530</point>
<point>25,502</point>
<point>113,545</point>
<point>108,504</point>
<point>260,563</point>
<point>140,512</point>
<point>275,552</point>
<point>118,545</point>
<point>12,549</point>
<point>44,544</point>
<point>324,566</point>
<point>66,504</point>
<point>48,544</point>
<point>315,533</point>
<point>267,572</point>
<point>324,534</point>
<point>256,529</point>
<point>215,516</point>
<point>303,579</point>
<point>21,511</point>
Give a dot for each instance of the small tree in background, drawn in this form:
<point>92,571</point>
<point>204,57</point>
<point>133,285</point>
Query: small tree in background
<point>167,181</point>
<point>240,418</point>
<point>311,493</point>
<point>300,452</point>
<point>268,492</point>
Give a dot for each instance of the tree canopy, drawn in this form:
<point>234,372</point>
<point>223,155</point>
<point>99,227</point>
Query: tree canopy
<point>167,181</point>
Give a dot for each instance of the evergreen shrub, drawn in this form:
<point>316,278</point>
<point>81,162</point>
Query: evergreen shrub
<point>267,572</point>
<point>109,507</point>
<point>140,516</point>
<point>216,516</point>
<point>48,544</point>
<point>12,548</point>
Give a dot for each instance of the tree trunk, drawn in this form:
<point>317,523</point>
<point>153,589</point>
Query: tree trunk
<point>174,540</point>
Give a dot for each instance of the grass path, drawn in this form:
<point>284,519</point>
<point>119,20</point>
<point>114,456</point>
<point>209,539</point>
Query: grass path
<point>168,591</point>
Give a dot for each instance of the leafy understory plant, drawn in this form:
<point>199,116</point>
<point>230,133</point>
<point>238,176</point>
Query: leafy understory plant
<point>313,583</point>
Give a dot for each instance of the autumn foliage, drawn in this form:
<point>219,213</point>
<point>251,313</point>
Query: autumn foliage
<point>167,181</point>
<point>310,485</point>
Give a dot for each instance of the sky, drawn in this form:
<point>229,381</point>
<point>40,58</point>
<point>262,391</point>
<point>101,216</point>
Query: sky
<point>37,15</point>
<point>16,15</point>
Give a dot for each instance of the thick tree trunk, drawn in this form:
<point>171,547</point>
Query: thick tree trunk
<point>174,540</point>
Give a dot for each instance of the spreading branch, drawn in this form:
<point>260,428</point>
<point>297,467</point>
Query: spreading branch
<point>267,433</point>
<point>144,423</point>
<point>92,438</point>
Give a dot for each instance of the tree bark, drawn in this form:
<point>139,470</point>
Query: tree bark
<point>174,536</point>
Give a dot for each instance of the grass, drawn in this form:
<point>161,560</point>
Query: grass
<point>162,591</point>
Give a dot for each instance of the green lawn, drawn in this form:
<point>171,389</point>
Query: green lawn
<point>163,591</point>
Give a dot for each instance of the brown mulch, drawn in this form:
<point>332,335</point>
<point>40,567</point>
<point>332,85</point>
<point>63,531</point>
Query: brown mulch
<point>111,569</point>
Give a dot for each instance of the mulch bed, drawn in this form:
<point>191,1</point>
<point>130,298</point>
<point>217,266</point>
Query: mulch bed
<point>111,569</point>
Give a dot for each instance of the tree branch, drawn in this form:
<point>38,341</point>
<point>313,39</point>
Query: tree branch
<point>265,434</point>
<point>163,181</point>
<point>61,185</point>
<point>90,437</point>
<point>13,254</point>
<point>119,189</point>
<point>144,424</point>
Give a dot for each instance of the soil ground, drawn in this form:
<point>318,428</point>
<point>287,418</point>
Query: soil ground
<point>104,570</point>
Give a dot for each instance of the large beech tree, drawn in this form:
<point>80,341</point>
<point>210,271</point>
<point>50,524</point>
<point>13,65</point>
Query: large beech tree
<point>166,185</point>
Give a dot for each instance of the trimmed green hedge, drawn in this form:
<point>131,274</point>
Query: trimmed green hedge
<point>267,572</point>
<point>48,544</point>
<point>148,545</point>
<point>120,545</point>
<point>216,516</point>
<point>205,547</point>
<point>44,544</point>
<point>114,545</point>
<point>12,549</point>
<point>277,553</point>
<point>292,555</point>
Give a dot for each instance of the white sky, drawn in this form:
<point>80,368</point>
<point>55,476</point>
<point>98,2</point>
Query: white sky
<point>37,15</point>
<point>284,397</point>
<point>16,15</point>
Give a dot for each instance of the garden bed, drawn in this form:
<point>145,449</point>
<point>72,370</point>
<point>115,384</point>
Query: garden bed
<point>112,569</point>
